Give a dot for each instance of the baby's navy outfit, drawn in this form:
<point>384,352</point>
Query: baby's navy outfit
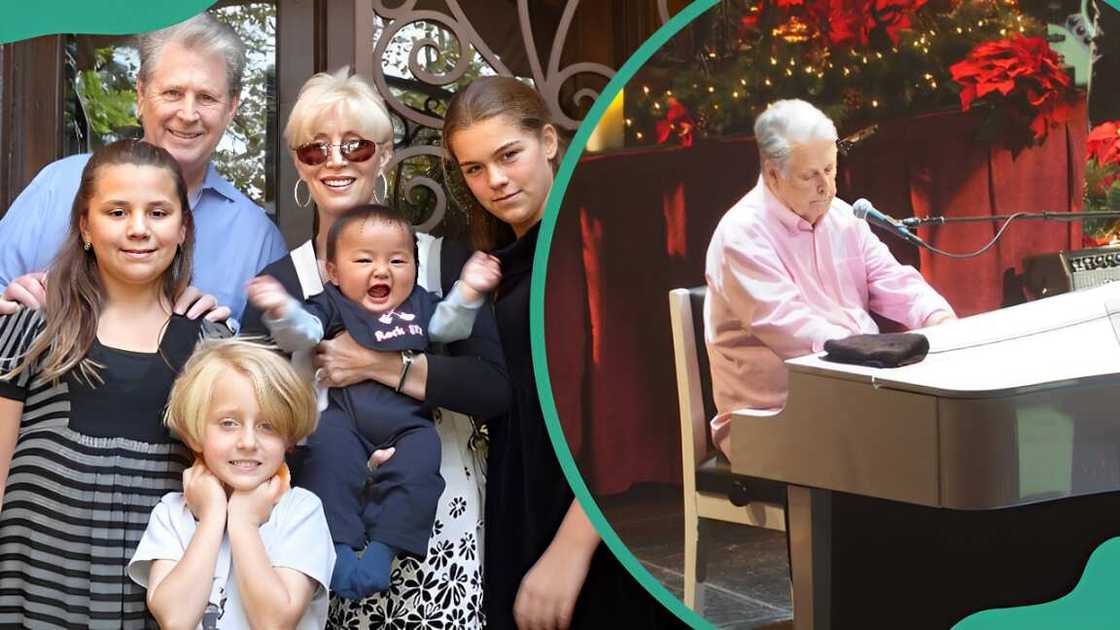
<point>395,504</point>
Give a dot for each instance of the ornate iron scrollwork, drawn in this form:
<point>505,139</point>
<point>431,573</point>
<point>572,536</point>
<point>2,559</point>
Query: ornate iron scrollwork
<point>418,146</point>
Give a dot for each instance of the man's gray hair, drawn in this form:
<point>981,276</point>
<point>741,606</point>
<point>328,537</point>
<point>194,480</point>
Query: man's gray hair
<point>203,32</point>
<point>786,123</point>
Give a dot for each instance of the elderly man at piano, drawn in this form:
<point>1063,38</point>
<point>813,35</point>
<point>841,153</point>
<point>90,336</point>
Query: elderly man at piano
<point>790,267</point>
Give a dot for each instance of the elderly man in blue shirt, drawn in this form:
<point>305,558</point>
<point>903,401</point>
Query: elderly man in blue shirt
<point>187,91</point>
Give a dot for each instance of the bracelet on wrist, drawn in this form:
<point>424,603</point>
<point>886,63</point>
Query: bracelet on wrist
<point>407,357</point>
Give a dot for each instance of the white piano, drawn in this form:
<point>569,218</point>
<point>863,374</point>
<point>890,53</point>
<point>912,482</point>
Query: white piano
<point>1011,407</point>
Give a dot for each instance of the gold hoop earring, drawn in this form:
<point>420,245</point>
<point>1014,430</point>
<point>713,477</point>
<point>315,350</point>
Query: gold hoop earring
<point>295,194</point>
<point>380,198</point>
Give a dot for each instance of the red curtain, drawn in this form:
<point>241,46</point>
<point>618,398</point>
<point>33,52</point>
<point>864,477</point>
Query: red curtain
<point>636,223</point>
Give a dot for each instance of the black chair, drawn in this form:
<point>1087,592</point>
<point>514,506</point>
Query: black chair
<point>711,491</point>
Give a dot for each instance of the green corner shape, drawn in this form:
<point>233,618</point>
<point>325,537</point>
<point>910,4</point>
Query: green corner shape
<point>537,314</point>
<point>23,20</point>
<point>1091,605</point>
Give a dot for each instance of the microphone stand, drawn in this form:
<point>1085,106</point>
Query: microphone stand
<point>1020,216</point>
<point>1006,218</point>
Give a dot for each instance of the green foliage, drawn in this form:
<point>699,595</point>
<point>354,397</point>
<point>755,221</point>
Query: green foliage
<point>1102,193</point>
<point>244,153</point>
<point>106,109</point>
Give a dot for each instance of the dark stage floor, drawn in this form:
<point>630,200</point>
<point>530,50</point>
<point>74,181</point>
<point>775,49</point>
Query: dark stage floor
<point>748,575</point>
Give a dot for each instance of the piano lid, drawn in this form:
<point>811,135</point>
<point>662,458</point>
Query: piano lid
<point>1057,341</point>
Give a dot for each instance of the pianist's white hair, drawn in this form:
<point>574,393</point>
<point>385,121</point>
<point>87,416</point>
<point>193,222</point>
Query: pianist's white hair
<point>786,123</point>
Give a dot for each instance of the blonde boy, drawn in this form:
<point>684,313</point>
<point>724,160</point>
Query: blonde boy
<point>237,548</point>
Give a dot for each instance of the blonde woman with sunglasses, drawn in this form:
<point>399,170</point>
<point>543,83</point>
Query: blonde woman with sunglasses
<point>341,140</point>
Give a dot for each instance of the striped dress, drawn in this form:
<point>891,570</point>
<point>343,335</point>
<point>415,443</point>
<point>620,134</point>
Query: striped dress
<point>89,465</point>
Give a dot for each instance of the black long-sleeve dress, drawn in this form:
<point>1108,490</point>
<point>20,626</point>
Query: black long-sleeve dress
<point>527,496</point>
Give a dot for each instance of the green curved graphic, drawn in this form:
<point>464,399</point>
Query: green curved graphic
<point>1091,605</point>
<point>23,20</point>
<point>537,314</point>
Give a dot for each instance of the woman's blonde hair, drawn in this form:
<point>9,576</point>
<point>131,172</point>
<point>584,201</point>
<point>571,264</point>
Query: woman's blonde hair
<point>338,93</point>
<point>75,296</point>
<point>287,400</point>
<point>482,99</point>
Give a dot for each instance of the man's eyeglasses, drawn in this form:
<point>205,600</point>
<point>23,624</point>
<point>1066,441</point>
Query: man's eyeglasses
<point>316,153</point>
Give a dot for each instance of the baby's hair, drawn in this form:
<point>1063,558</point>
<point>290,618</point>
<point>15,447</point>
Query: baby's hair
<point>285,399</point>
<point>369,212</point>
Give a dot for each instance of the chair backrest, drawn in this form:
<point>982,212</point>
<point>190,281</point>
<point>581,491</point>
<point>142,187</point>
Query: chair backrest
<point>694,379</point>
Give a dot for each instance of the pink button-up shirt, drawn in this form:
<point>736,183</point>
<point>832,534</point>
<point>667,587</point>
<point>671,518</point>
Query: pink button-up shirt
<point>779,288</point>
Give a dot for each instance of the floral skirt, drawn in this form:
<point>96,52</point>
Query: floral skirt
<point>445,589</point>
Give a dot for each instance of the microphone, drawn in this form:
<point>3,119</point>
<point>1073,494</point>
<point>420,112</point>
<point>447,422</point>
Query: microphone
<point>863,209</point>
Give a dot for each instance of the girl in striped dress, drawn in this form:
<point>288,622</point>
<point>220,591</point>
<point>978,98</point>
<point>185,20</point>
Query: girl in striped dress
<point>84,456</point>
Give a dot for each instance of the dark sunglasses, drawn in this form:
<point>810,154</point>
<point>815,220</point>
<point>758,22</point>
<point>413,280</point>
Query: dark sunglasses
<point>316,153</point>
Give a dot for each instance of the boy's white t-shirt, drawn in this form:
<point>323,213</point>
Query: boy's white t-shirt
<point>296,537</point>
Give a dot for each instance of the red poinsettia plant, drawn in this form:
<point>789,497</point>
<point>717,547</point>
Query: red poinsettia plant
<point>677,122</point>
<point>852,22</point>
<point>1018,76</point>
<point>1102,182</point>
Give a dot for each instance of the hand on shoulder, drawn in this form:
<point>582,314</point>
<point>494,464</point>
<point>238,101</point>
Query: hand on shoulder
<point>30,290</point>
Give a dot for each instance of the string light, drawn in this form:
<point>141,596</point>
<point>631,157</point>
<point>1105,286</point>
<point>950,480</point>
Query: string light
<point>819,63</point>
